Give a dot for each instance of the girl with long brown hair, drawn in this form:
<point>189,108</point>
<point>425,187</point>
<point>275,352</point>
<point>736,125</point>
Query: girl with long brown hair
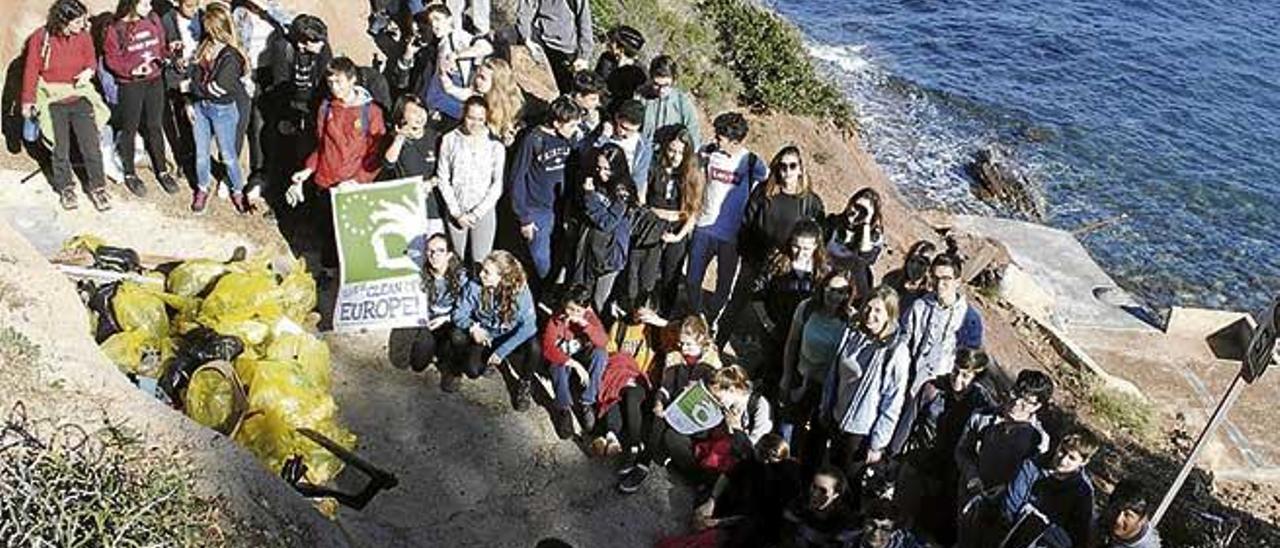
<point>786,198</point>
<point>443,280</point>
<point>215,83</point>
<point>134,52</point>
<point>495,322</point>
<point>661,238</point>
<point>857,237</point>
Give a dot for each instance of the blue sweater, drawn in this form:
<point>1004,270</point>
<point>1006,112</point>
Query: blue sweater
<point>538,174</point>
<point>506,335</point>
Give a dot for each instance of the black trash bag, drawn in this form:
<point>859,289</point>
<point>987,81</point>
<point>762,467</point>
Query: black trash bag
<point>100,302</point>
<point>198,347</point>
<point>116,259</point>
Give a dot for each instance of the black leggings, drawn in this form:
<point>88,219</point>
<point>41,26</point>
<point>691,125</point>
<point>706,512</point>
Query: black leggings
<point>472,359</point>
<point>142,104</point>
<point>431,344</point>
<point>654,274</point>
<point>75,118</point>
<point>624,417</point>
<point>561,68</point>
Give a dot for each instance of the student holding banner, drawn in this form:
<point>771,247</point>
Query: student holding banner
<point>497,323</point>
<point>443,280</point>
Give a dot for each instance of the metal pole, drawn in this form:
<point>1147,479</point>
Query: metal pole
<point>1218,414</point>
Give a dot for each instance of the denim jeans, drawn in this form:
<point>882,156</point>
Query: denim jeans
<point>560,375</point>
<point>217,120</point>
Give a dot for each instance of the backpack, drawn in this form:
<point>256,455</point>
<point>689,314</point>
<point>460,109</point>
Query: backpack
<point>365,111</point>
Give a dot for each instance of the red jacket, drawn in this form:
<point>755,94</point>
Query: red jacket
<point>347,150</point>
<point>131,44</point>
<point>67,57</point>
<point>559,330</point>
<point>621,373</point>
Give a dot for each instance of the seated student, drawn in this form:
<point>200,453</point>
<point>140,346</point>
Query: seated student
<point>457,55</point>
<point>813,343</point>
<point>608,209</point>
<point>993,445</point>
<point>674,196</point>
<point>747,418</point>
<point>823,518</point>
<point>695,359</point>
<point>349,130</point>
<point>911,281</point>
<point>732,172</point>
<point>61,55</point>
<point>667,106</point>
<point>623,389</point>
<point>1126,523</point>
<point>857,237</point>
<point>938,325</point>
<point>412,152</point>
<point>496,322</point>
<point>619,65</point>
<point>443,280</point>
<point>574,337</point>
<point>625,133</point>
<point>470,175</point>
<point>745,507</point>
<point>867,385</point>
<point>790,278</point>
<point>537,178</point>
<point>927,478</point>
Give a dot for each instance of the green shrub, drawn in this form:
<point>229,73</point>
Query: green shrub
<point>672,27</point>
<point>768,56</point>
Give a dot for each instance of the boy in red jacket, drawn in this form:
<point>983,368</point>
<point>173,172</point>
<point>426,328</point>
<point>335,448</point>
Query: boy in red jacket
<point>573,336</point>
<point>348,129</point>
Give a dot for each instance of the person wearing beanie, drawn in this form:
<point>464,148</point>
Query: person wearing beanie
<point>619,65</point>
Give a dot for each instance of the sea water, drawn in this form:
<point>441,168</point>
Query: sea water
<point>1166,113</point>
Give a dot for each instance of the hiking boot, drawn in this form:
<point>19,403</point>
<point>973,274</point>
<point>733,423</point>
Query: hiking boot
<point>631,482</point>
<point>598,445</point>
<point>522,400</point>
<point>450,382</point>
<point>134,184</point>
<point>100,200</point>
<point>167,183</point>
<point>241,203</point>
<point>200,201</point>
<point>563,420</point>
<point>587,418</point>
<point>67,198</point>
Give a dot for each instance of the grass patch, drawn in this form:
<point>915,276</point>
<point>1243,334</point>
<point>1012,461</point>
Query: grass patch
<point>60,486</point>
<point>1121,410</point>
<point>16,348</point>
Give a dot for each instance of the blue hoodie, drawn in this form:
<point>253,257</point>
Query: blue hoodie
<point>538,173</point>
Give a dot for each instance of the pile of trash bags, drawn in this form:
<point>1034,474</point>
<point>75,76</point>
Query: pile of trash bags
<point>231,343</point>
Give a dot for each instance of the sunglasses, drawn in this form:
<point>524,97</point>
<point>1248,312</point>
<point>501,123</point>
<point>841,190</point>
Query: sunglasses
<point>789,166</point>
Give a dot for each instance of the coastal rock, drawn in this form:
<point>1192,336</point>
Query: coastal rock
<point>1000,183</point>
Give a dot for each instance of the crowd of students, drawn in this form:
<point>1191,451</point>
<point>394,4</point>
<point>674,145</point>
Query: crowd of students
<point>867,416</point>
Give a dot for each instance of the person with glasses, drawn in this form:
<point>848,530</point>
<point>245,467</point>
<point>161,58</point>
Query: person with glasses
<point>777,206</point>
<point>443,280</point>
<point>938,325</point>
<point>811,348</point>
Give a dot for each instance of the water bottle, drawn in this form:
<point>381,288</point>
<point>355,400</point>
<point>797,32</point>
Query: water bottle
<point>30,129</point>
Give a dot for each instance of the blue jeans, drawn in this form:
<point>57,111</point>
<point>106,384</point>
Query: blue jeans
<point>540,245</point>
<point>701,250</point>
<point>217,120</point>
<point>560,375</point>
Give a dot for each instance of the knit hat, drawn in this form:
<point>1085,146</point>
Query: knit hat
<point>628,37</point>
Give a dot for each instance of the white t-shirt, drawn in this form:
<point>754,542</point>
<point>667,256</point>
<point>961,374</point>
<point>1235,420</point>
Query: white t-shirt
<point>722,176</point>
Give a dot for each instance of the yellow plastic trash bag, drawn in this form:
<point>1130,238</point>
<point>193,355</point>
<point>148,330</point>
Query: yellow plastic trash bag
<point>144,324</point>
<point>87,242</point>
<point>138,308</point>
<point>214,397</point>
<point>192,278</point>
<point>273,440</point>
<point>309,352</point>
<point>243,304</point>
<point>298,292</point>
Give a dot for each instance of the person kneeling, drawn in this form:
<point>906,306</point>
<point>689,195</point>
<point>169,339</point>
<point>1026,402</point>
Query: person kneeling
<point>495,322</point>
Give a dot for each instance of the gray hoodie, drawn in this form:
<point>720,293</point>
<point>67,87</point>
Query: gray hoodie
<point>561,25</point>
<point>1149,538</point>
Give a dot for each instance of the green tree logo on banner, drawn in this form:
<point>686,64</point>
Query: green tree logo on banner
<point>380,230</point>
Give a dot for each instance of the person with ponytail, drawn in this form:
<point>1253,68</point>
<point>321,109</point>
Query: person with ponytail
<point>57,88</point>
<point>216,84</point>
